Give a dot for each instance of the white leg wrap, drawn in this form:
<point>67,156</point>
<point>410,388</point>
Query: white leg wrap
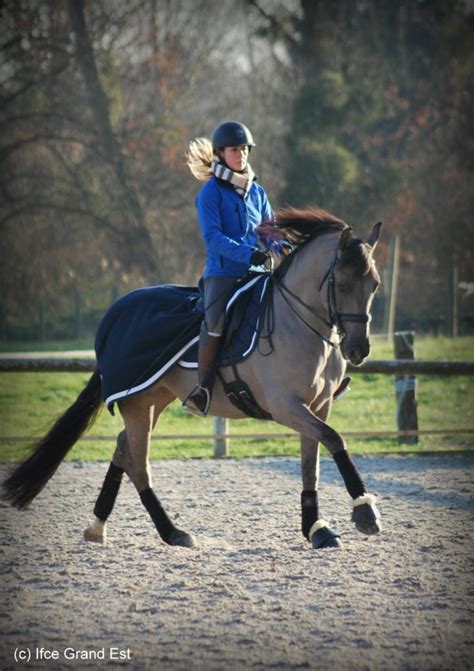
<point>98,525</point>
<point>319,524</point>
<point>342,393</point>
<point>96,532</point>
<point>365,498</point>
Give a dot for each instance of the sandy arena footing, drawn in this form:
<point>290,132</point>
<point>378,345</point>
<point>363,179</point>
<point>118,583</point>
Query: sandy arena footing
<point>253,594</point>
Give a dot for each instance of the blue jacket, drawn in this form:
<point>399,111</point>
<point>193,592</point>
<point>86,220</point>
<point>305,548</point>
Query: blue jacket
<point>228,222</point>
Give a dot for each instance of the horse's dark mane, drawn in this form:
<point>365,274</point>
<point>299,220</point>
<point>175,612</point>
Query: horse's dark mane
<point>298,227</point>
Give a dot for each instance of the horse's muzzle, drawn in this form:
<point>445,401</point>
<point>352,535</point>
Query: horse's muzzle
<point>355,353</point>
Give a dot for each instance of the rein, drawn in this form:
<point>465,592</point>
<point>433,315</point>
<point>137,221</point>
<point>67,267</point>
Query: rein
<point>282,288</point>
<point>335,318</point>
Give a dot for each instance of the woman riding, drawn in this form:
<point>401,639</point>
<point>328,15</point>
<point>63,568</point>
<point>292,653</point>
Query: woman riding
<point>230,206</point>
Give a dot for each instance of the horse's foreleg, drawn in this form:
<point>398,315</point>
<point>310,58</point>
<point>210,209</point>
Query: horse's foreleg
<point>291,412</point>
<point>314,527</point>
<point>139,418</point>
<point>365,513</point>
<point>96,532</point>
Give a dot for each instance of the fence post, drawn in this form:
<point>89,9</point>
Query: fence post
<point>405,386</point>
<point>390,284</point>
<point>3,322</point>
<point>41,319</point>
<point>394,286</point>
<point>77,315</point>
<point>453,300</point>
<point>220,444</point>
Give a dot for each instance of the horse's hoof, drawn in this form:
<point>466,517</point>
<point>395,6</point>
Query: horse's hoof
<point>181,539</point>
<point>325,538</point>
<point>366,515</point>
<point>93,536</point>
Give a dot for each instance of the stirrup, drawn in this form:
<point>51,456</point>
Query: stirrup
<point>198,401</point>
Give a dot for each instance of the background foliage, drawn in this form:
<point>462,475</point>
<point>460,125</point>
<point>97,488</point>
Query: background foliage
<point>364,108</point>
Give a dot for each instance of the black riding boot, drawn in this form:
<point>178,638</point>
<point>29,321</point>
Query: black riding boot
<point>200,398</point>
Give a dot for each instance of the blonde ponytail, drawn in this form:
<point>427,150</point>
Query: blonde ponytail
<point>199,158</point>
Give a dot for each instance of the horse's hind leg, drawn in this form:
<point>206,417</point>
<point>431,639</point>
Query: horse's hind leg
<point>96,532</point>
<point>314,527</point>
<point>140,415</point>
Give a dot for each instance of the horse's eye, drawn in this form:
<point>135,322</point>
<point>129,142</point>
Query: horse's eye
<point>343,288</point>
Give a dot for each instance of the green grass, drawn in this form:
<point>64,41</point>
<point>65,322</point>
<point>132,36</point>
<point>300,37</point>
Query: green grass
<point>47,345</point>
<point>29,402</point>
<point>429,348</point>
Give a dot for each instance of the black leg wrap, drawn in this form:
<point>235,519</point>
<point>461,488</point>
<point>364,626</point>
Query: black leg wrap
<point>354,483</point>
<point>163,524</point>
<point>108,494</point>
<point>309,510</point>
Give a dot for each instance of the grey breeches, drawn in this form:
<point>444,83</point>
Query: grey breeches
<point>217,291</point>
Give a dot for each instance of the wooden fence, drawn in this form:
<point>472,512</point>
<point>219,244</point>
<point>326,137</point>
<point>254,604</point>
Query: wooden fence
<point>405,371</point>
<point>18,364</point>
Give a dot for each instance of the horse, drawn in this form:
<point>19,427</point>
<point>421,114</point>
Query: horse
<point>317,315</point>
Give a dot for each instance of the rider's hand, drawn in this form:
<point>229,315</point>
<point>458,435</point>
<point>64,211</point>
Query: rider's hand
<point>258,258</point>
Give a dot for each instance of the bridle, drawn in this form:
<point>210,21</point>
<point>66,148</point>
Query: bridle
<point>336,319</point>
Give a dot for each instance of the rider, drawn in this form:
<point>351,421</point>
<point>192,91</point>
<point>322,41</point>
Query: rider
<point>230,206</point>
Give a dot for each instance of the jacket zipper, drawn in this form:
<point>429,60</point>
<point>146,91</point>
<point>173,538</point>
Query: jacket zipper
<point>244,232</point>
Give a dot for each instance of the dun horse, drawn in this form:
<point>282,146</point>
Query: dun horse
<point>318,312</point>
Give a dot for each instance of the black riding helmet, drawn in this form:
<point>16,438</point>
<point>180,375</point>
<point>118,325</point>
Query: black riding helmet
<point>231,134</point>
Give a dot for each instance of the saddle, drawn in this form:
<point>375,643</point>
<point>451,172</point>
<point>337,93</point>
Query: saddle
<point>240,336</point>
<point>146,332</point>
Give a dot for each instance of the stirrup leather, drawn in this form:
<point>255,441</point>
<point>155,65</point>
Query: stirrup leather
<point>198,401</point>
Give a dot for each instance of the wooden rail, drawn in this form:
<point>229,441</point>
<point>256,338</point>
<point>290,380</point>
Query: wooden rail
<point>14,364</point>
<point>259,436</point>
<point>65,363</point>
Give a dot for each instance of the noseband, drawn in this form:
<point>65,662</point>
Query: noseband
<point>335,318</point>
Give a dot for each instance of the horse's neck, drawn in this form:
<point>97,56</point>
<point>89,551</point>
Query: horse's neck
<point>307,271</point>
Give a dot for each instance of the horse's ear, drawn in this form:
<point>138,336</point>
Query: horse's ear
<point>374,235</point>
<point>346,236</point>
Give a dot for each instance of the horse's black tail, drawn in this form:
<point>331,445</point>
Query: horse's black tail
<point>27,479</point>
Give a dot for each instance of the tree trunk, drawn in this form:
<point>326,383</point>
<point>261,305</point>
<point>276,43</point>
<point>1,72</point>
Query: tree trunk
<point>139,235</point>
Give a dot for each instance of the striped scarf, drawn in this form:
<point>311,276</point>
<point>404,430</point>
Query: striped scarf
<point>241,181</point>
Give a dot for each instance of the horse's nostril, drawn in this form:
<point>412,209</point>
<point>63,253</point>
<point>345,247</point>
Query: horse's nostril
<point>359,353</point>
